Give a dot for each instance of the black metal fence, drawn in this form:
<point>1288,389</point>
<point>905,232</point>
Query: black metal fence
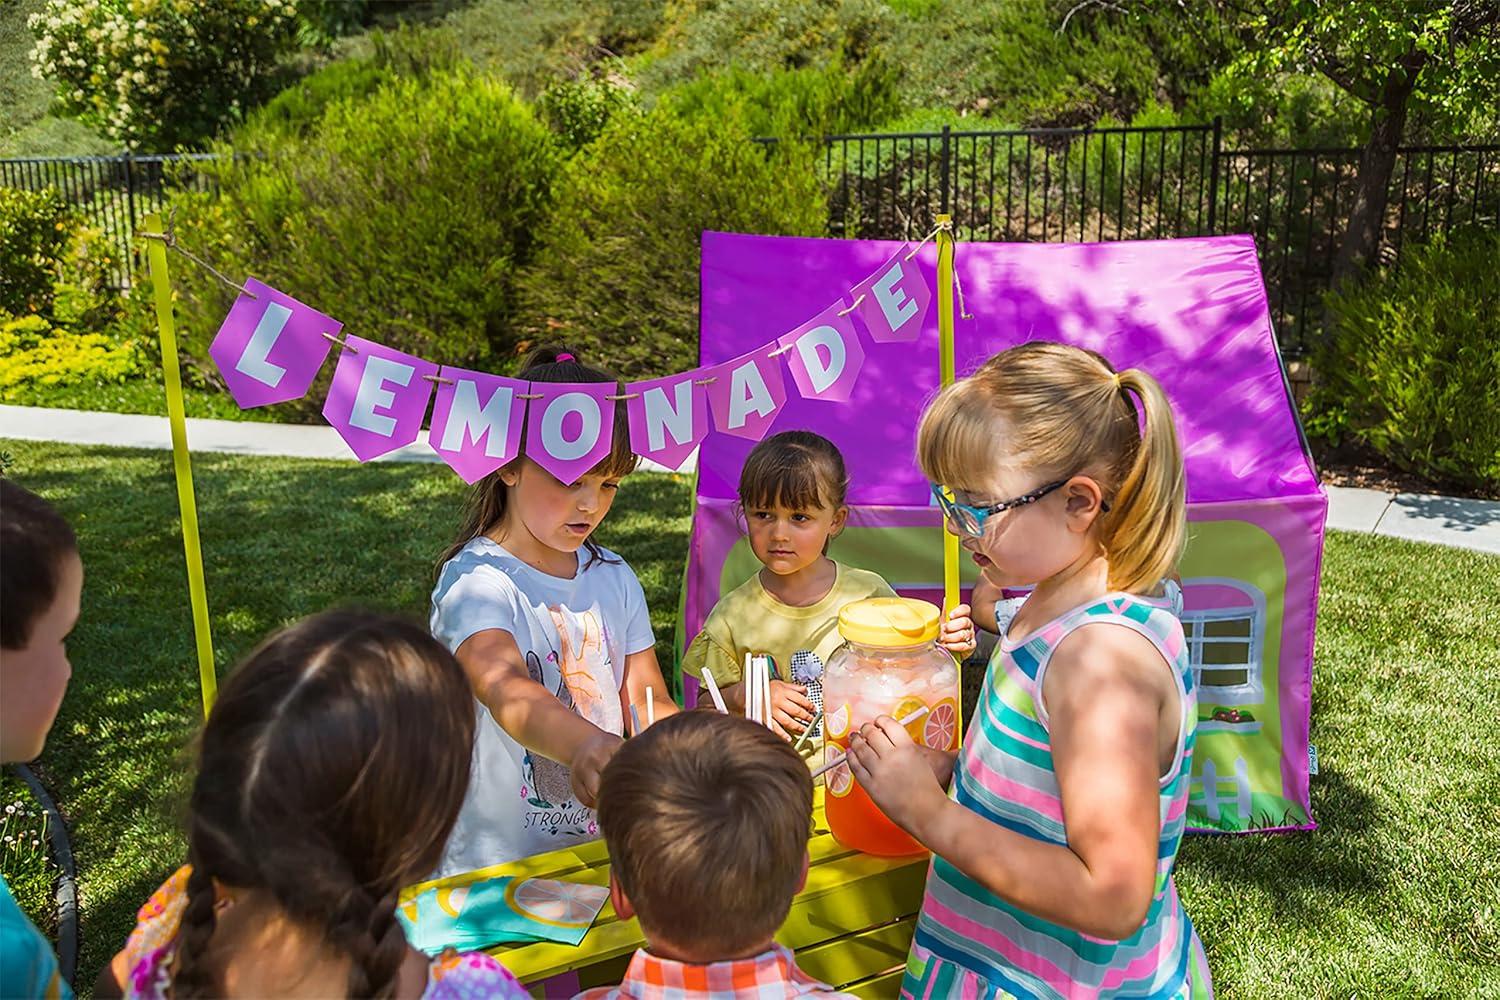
<point>1033,185</point>
<point>113,192</point>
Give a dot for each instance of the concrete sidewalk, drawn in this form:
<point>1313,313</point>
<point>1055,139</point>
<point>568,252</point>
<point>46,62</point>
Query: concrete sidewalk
<point>1470,524</point>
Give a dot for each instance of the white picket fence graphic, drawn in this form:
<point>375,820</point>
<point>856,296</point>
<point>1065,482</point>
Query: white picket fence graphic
<point>1207,790</point>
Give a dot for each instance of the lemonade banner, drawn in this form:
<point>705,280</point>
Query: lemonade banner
<point>271,347</point>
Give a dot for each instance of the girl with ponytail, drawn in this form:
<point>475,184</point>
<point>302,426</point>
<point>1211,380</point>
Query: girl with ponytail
<point>1055,828</point>
<point>330,772</point>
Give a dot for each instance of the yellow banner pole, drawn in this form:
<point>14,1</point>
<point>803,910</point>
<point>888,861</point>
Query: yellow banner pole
<point>156,254</point>
<point>946,362</point>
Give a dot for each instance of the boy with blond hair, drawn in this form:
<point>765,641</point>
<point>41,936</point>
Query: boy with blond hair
<point>707,818</point>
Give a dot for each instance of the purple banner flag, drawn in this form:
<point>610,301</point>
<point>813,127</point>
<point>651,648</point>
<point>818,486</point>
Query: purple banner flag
<point>570,426</point>
<point>270,346</point>
<point>476,421</point>
<point>668,417</point>
<point>378,397</point>
<point>747,393</point>
<point>825,355</point>
<point>894,299</point>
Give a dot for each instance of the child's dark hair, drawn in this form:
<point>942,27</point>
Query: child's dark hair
<point>799,470</point>
<point>330,773</point>
<point>34,540</point>
<point>707,818</point>
<point>488,499</point>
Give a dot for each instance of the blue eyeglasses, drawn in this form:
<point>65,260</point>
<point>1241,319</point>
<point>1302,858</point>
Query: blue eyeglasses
<point>970,520</point>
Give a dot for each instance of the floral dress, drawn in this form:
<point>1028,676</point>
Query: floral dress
<point>152,950</point>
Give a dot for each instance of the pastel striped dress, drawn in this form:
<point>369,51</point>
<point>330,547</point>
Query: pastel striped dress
<point>969,942</point>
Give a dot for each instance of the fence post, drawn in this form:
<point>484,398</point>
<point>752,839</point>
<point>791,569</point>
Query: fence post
<point>1213,176</point>
<point>943,197</point>
<point>129,162</point>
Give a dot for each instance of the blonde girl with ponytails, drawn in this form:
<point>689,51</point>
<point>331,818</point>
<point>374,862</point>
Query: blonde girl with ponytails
<point>1055,829</point>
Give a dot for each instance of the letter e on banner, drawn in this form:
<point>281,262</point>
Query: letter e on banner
<point>895,299</point>
<point>378,397</point>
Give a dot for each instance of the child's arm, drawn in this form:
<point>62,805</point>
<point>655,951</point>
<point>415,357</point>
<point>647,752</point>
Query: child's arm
<point>532,715</point>
<point>983,599</point>
<point>1106,689</point>
<point>642,671</point>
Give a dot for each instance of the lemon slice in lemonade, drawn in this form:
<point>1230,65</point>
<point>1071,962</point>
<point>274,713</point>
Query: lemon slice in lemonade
<point>908,706</point>
<point>557,904</point>
<point>838,722</point>
<point>839,780</point>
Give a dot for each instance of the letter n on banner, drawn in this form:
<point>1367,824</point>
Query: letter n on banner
<point>747,393</point>
<point>668,417</point>
<point>570,426</point>
<point>477,421</point>
<point>378,397</point>
<point>895,299</point>
<point>825,355</point>
<point>270,346</point>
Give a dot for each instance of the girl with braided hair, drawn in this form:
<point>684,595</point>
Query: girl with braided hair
<point>330,773</point>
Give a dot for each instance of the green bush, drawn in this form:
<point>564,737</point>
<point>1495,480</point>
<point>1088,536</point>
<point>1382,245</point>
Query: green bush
<point>1412,364</point>
<point>404,214</point>
<point>297,109</point>
<point>34,353</point>
<point>808,101</point>
<point>617,273</point>
<point>35,230</point>
<point>578,109</point>
<point>166,73</point>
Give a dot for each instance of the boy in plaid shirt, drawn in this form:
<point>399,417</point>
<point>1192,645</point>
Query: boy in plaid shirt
<point>707,818</point>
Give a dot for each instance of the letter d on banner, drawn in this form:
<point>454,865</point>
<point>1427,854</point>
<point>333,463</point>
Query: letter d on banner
<point>270,346</point>
<point>570,426</point>
<point>825,355</point>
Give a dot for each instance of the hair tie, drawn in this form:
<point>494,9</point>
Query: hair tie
<point>1115,377</point>
<point>565,356</point>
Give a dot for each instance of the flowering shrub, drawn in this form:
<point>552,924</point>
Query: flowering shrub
<point>160,73</point>
<point>33,352</point>
<point>24,859</point>
<point>35,230</point>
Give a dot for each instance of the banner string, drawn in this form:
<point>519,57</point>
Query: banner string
<point>169,240</point>
<point>335,340</point>
<point>958,284</point>
<point>845,312</point>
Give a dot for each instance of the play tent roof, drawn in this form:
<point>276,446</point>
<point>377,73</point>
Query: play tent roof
<point>1192,312</point>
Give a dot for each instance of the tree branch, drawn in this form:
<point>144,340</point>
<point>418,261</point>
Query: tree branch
<point>1084,5</point>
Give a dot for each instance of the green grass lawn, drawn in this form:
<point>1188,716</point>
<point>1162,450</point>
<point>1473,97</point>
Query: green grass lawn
<point>1395,894</point>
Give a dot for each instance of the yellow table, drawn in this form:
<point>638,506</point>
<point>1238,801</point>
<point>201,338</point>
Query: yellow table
<point>850,926</point>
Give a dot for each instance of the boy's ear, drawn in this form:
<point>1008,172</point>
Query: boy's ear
<point>802,878</point>
<point>622,906</point>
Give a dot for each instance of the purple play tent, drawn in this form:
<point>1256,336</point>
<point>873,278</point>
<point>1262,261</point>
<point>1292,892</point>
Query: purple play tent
<point>1191,312</point>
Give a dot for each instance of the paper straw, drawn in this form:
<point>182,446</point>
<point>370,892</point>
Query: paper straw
<point>809,730</point>
<point>635,722</point>
<point>650,707</point>
<point>713,690</point>
<point>835,761</point>
<point>752,701</point>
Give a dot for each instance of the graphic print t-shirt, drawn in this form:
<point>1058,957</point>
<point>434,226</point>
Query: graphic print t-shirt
<point>574,635</point>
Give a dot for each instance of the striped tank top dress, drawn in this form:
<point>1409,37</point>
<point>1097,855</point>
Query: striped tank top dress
<point>969,943</point>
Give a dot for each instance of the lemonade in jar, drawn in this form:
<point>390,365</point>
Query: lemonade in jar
<point>891,665</point>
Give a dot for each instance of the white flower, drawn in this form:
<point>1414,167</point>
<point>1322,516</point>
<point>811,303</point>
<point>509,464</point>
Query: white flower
<point>10,810</point>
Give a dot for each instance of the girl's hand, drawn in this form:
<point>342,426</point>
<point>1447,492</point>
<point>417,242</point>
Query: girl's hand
<point>897,775</point>
<point>957,633</point>
<point>791,709</point>
<point>588,764</point>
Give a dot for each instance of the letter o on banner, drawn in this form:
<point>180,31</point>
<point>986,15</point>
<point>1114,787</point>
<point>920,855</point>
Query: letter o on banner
<point>570,426</point>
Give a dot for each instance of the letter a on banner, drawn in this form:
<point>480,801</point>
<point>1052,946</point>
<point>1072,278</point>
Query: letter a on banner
<point>476,421</point>
<point>825,356</point>
<point>270,346</point>
<point>895,299</point>
<point>747,393</point>
<point>378,397</point>
<point>570,426</point>
<point>668,417</point>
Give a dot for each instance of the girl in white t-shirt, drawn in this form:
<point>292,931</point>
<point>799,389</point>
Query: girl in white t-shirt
<point>553,633</point>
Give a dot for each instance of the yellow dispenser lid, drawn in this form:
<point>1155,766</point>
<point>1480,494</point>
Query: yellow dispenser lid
<point>889,621</point>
